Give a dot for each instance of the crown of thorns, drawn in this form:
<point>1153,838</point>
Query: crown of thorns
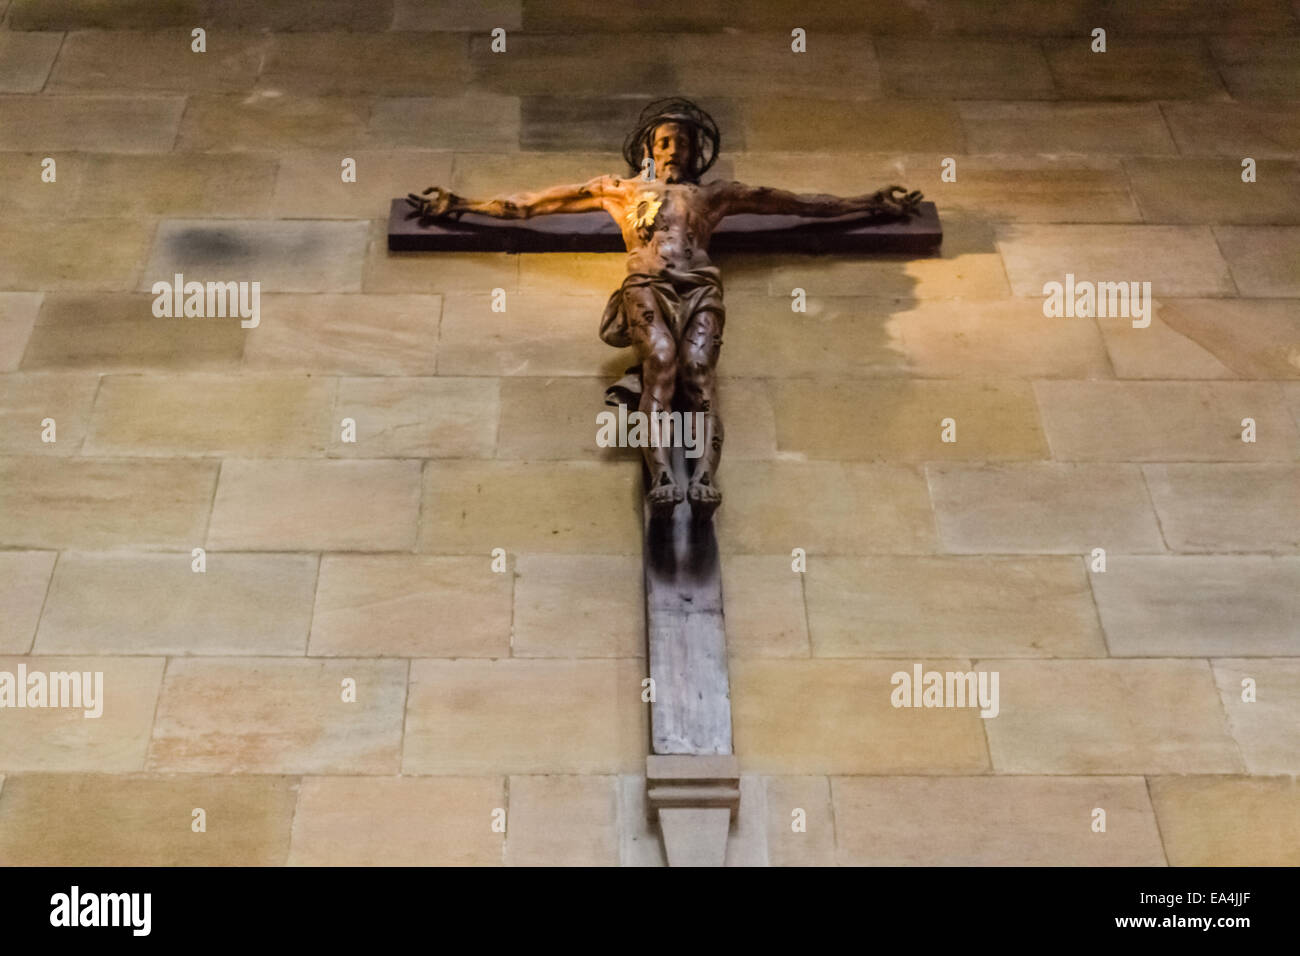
<point>705,139</point>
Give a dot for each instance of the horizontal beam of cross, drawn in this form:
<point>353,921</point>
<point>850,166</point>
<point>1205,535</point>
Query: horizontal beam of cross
<point>597,232</point>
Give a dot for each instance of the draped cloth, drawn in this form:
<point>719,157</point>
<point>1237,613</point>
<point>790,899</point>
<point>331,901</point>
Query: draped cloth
<point>680,295</point>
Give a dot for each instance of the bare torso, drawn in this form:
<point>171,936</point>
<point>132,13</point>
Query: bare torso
<point>664,225</point>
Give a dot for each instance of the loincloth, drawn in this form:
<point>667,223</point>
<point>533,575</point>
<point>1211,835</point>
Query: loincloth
<point>679,295</point>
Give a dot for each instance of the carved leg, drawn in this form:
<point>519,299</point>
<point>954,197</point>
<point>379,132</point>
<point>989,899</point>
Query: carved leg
<point>699,358</point>
<point>658,354</point>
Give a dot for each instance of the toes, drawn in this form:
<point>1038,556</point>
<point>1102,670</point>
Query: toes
<point>705,493</point>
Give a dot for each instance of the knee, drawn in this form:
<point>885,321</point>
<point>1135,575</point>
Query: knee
<point>661,355</point>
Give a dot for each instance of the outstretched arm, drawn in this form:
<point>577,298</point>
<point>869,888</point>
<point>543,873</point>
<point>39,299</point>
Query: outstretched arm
<point>764,200</point>
<point>437,203</point>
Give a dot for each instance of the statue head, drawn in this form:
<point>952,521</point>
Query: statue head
<point>680,137</point>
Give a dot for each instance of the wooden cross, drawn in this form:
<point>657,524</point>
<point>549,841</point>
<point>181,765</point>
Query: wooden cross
<point>692,777</point>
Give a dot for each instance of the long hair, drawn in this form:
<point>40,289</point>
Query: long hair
<point>705,138</point>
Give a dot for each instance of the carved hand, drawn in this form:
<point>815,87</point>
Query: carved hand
<point>894,201</point>
<point>436,203</point>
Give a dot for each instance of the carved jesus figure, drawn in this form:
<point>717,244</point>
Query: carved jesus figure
<point>669,308</point>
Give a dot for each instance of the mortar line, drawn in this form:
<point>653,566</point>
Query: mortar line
<point>401,742</point>
<point>293,817</point>
<point>212,504</point>
<point>1155,815</point>
<point>1151,501</point>
<point>45,599</point>
<point>1227,718</point>
<point>1169,129</point>
<point>157,706</point>
<point>315,594</point>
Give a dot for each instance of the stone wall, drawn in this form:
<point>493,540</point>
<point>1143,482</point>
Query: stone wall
<point>372,561</point>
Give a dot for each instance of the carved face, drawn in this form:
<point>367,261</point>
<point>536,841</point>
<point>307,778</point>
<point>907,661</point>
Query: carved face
<point>671,150</point>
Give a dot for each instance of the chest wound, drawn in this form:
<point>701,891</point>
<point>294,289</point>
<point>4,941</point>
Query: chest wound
<point>645,207</point>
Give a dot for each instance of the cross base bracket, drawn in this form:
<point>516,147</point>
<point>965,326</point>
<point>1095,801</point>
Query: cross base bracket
<point>695,799</point>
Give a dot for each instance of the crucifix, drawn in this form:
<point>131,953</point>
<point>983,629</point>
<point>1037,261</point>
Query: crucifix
<point>670,310</point>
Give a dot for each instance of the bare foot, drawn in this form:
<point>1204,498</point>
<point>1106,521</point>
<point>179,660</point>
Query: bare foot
<point>664,496</point>
<point>704,497</point>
